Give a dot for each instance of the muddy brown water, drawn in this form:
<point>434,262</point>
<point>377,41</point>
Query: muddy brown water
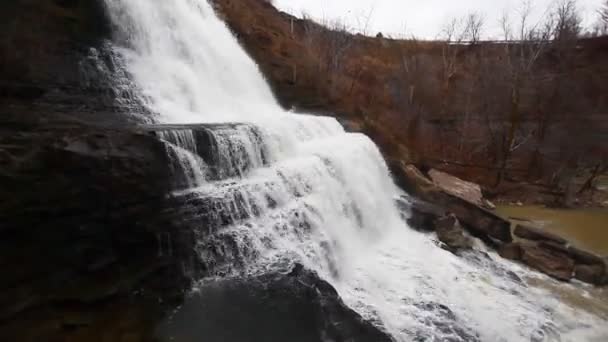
<point>585,228</point>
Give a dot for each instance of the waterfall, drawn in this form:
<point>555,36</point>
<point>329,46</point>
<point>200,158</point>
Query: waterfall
<point>269,187</point>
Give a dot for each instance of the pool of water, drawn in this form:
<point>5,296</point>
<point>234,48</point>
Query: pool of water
<point>585,228</point>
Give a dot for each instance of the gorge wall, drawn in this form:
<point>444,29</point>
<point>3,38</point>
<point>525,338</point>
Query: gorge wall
<point>450,107</point>
<point>85,221</point>
<point>95,244</point>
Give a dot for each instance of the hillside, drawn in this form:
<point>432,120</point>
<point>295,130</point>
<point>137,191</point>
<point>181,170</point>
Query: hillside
<point>465,109</point>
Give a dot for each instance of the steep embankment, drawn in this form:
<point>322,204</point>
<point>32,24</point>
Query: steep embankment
<point>462,109</point>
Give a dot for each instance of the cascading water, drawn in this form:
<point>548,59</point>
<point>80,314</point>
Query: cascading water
<point>273,187</point>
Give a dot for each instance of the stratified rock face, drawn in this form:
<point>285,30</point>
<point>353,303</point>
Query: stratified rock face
<point>592,274</point>
<point>510,251</point>
<point>466,190</point>
<point>85,233</point>
<point>537,234</point>
<point>56,65</point>
<point>556,264</point>
<point>296,306</point>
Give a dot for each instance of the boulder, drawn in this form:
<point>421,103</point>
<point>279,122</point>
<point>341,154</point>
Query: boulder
<point>279,306</point>
<point>584,257</point>
<point>414,182</point>
<point>553,263</point>
<point>468,191</point>
<point>537,234</point>
<point>422,215</point>
<point>450,232</point>
<point>511,251</point>
<point>479,221</point>
<point>554,246</point>
<point>592,274</point>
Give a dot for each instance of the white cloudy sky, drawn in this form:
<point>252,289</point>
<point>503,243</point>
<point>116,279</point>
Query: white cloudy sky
<point>423,19</point>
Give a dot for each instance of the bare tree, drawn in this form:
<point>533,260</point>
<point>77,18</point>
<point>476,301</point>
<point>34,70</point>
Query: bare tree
<point>567,20</point>
<point>604,13</point>
<point>601,27</point>
<point>453,34</point>
<point>522,50</point>
<point>474,27</point>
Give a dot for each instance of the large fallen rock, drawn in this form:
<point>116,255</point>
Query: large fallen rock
<point>414,182</point>
<point>592,274</point>
<point>422,215</point>
<point>468,191</point>
<point>511,251</point>
<point>584,257</point>
<point>556,264</point>
<point>537,234</point>
<point>481,222</point>
<point>294,306</point>
<point>450,232</point>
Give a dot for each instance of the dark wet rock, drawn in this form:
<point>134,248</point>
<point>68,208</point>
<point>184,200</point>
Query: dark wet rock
<point>444,323</point>
<point>556,264</point>
<point>450,232</point>
<point>585,257</point>
<point>350,125</point>
<point>293,306</point>
<point>85,223</point>
<point>592,274</point>
<point>510,251</point>
<point>537,234</point>
<point>554,246</point>
<point>479,221</point>
<point>414,182</point>
<point>423,215</point>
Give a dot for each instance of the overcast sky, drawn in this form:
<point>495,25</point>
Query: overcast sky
<point>423,19</point>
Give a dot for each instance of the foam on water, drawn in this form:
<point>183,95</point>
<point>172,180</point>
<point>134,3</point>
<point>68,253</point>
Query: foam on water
<point>297,187</point>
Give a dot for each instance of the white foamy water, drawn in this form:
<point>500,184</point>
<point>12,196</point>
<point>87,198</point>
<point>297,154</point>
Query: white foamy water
<point>288,187</point>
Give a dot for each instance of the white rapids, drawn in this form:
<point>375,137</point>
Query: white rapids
<point>321,196</point>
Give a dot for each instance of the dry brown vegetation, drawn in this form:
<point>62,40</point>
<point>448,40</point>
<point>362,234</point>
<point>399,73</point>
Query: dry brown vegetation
<point>532,109</point>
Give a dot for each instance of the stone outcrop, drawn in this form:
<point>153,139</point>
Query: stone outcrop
<point>537,234</point>
<point>290,306</point>
<point>453,236</point>
<point>592,274</point>
<point>543,251</point>
<point>551,262</point>
<point>552,255</point>
<point>510,251</point>
<point>422,215</point>
<point>479,221</point>
<point>87,235</point>
<point>468,191</point>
